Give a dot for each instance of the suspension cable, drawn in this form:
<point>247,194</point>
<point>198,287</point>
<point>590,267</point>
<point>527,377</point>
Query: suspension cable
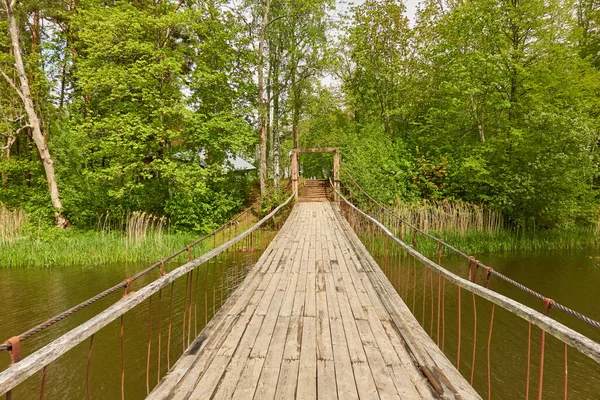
<point>159,264</point>
<point>491,271</point>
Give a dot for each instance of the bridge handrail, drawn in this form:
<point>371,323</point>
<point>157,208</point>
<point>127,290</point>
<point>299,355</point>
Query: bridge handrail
<point>35,362</point>
<point>65,314</point>
<point>490,270</point>
<point>565,334</point>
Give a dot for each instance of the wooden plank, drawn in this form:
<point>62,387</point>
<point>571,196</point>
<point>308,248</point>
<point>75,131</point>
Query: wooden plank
<point>362,374</point>
<point>235,364</point>
<point>409,369</point>
<point>324,347</point>
<point>271,301</point>
<point>326,384</point>
<point>250,376</point>
<point>310,301</point>
<point>344,374</point>
<point>383,379</point>
<point>267,383</point>
<point>293,342</point>
<point>307,374</point>
<point>288,376</point>
<point>248,381</point>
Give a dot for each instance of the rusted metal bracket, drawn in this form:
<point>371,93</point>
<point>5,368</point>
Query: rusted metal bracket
<point>15,349</point>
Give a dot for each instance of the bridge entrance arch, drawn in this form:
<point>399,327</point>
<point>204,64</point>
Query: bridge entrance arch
<point>336,166</point>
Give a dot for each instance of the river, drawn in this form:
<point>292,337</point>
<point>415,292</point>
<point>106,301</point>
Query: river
<point>31,295</point>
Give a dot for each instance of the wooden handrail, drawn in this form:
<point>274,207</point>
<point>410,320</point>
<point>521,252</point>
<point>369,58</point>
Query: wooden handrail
<point>563,333</point>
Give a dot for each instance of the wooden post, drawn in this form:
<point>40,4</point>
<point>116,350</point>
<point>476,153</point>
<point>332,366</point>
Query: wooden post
<point>295,173</point>
<point>336,173</point>
<point>336,166</point>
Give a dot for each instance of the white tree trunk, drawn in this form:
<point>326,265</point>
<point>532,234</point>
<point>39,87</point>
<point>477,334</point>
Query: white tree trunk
<point>261,102</point>
<point>34,120</point>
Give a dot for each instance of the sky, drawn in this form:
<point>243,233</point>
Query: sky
<point>411,6</point>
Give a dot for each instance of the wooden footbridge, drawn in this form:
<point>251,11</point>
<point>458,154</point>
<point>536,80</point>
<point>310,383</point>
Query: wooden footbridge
<point>314,318</point>
<point>327,298</point>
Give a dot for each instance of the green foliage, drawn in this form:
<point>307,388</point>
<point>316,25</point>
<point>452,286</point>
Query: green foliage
<point>153,99</point>
<point>485,101</point>
<point>493,102</point>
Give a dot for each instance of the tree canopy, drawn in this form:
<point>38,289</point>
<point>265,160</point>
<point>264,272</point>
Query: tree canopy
<point>138,106</point>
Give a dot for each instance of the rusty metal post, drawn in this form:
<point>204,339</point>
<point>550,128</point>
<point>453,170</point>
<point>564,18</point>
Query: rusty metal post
<point>14,344</point>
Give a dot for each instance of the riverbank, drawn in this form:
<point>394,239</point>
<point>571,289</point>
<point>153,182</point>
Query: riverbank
<point>90,248</point>
<point>60,248</point>
<point>478,242</point>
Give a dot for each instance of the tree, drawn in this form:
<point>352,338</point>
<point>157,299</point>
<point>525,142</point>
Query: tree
<point>262,108</point>
<point>34,121</point>
<point>507,106</point>
<point>379,49</point>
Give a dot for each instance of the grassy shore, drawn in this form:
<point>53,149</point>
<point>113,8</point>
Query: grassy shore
<point>91,248</point>
<point>478,242</point>
<point>95,248</point>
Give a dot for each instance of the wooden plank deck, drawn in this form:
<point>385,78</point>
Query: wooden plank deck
<point>315,318</point>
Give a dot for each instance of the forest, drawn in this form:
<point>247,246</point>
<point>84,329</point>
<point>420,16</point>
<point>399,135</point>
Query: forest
<point>109,108</point>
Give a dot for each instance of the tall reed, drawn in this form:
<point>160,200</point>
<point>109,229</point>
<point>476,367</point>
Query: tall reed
<point>11,224</point>
<point>450,216</point>
<point>142,226</point>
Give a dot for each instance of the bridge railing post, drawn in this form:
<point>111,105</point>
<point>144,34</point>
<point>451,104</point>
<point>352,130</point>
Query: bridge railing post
<point>295,173</point>
<point>336,174</point>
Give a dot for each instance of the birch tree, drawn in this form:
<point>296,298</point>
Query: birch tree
<point>22,88</point>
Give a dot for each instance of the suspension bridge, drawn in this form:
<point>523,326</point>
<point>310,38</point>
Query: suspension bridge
<point>319,293</point>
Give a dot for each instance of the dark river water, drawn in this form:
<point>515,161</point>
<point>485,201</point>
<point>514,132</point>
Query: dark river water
<point>571,278</point>
<point>29,296</point>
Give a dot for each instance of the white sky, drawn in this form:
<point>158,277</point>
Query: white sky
<point>411,6</point>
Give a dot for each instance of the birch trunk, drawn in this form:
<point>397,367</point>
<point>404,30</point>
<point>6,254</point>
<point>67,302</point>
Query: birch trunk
<point>276,138</point>
<point>296,115</point>
<point>275,125</point>
<point>261,102</point>
<point>34,120</point>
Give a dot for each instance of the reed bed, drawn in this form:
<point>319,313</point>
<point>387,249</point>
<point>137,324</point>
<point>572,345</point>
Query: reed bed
<point>142,226</point>
<point>12,223</point>
<point>476,243</point>
<point>92,248</point>
<point>136,238</point>
<point>476,229</point>
<point>450,216</point>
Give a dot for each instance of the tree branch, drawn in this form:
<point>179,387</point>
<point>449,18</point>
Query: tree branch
<point>9,143</point>
<point>12,84</point>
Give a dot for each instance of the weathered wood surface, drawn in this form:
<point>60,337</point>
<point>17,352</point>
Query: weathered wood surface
<point>315,318</point>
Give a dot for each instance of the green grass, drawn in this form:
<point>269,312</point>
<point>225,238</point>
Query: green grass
<point>478,242</point>
<point>91,248</point>
<point>53,247</point>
